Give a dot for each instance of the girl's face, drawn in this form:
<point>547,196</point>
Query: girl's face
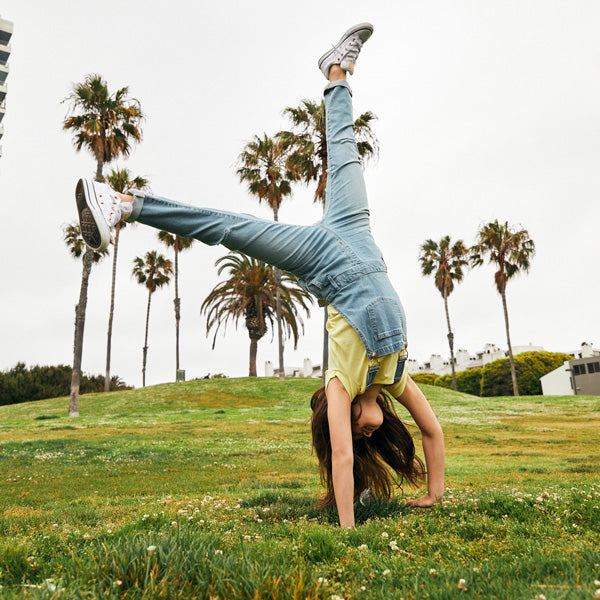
<point>367,418</point>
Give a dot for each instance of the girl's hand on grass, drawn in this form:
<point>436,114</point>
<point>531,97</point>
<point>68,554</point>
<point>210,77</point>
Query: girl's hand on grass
<point>426,501</point>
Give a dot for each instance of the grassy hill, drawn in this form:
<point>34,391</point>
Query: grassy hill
<point>207,488</point>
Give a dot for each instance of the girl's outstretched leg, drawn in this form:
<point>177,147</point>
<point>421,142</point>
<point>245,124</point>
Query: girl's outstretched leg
<point>346,196</point>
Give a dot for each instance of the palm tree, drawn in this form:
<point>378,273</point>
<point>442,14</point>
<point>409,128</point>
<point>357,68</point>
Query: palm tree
<point>78,249</point>
<point>263,168</point>
<point>153,271</point>
<point>446,262</point>
<point>307,147</point>
<point>105,124</point>
<point>178,243</point>
<point>250,292</point>
<point>511,251</point>
<point>119,180</point>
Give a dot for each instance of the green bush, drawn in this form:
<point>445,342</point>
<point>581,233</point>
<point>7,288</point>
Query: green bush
<point>21,384</point>
<point>468,381</point>
<point>529,366</point>
<point>426,378</point>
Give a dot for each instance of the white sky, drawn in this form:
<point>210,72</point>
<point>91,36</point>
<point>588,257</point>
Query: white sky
<point>486,109</point>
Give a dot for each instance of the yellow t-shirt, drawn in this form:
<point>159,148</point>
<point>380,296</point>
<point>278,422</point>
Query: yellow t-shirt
<point>348,360</point>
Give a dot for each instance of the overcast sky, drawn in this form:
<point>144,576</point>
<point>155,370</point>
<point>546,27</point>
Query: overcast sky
<point>486,110</point>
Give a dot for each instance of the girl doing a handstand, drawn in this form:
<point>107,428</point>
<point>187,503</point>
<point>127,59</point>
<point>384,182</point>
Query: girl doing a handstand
<point>360,442</point>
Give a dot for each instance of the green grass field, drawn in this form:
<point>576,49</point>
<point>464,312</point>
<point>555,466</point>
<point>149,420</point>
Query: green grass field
<point>207,489</point>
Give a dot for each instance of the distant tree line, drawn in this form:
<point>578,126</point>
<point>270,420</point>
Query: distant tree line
<point>495,379</point>
<point>22,384</point>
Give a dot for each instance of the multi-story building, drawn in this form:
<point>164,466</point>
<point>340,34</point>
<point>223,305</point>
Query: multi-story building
<point>6,29</point>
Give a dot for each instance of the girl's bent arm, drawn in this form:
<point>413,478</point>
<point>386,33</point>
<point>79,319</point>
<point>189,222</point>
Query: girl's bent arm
<point>342,457</point>
<point>433,442</point>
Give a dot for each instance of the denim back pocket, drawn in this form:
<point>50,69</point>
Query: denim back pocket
<point>386,318</point>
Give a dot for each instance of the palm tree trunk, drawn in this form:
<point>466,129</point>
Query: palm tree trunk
<point>253,349</point>
<point>79,326</point>
<point>112,310</point>
<point>513,372</point>
<point>278,312</point>
<point>99,168</point>
<point>145,353</point>
<point>279,323</point>
<point>177,303</point>
<point>450,342</point>
<point>325,362</point>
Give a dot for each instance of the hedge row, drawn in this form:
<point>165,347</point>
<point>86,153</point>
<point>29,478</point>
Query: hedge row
<point>20,384</point>
<point>495,380</point>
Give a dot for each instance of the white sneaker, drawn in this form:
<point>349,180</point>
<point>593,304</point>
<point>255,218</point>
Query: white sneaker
<point>346,51</point>
<point>99,211</point>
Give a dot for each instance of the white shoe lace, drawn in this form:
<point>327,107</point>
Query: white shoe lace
<point>354,47</point>
<point>110,204</point>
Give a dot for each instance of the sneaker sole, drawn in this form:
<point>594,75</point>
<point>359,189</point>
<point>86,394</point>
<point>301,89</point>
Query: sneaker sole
<point>93,227</point>
<point>348,33</point>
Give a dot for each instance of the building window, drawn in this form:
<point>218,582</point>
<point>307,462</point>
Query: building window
<point>578,369</point>
<point>593,367</point>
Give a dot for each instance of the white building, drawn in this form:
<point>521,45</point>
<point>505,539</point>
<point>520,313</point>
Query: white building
<point>574,377</point>
<point>307,370</point>
<point>6,29</point>
<point>463,360</point>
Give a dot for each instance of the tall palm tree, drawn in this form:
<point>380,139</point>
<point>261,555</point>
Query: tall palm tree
<point>78,249</point>
<point>511,252</point>
<point>446,262</point>
<point>154,271</point>
<point>105,124</point>
<point>119,180</point>
<point>178,243</point>
<point>250,293</point>
<point>307,147</point>
<point>263,168</point>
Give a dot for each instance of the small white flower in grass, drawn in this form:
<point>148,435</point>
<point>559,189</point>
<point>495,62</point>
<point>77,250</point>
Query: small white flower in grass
<point>335,597</point>
<point>386,572</point>
<point>322,581</point>
<point>173,523</point>
<point>597,594</point>
<point>219,552</point>
<point>597,582</point>
<point>151,549</point>
<point>462,584</point>
<point>117,582</point>
<point>394,545</point>
<point>432,572</point>
<point>385,535</point>
<point>476,569</point>
<point>363,588</point>
<point>247,537</point>
<point>363,547</point>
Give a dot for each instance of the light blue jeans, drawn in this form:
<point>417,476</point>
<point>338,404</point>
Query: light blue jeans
<point>336,259</point>
<point>304,250</point>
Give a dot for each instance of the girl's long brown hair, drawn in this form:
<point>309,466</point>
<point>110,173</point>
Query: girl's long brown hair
<point>380,461</point>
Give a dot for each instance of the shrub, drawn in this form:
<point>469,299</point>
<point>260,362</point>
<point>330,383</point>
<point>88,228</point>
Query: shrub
<point>530,366</point>
<point>468,381</point>
<point>426,378</point>
<point>21,384</point>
